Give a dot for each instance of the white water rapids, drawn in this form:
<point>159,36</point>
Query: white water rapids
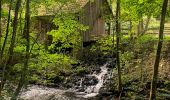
<point>44,93</point>
<point>94,90</point>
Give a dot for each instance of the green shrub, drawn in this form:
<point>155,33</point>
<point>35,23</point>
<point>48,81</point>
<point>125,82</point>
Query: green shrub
<point>80,70</point>
<point>104,45</point>
<point>49,66</point>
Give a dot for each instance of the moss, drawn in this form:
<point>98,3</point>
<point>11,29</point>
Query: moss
<point>80,70</point>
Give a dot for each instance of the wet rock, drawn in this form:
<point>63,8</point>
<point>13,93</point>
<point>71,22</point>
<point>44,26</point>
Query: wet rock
<point>90,80</point>
<point>81,89</point>
<point>112,63</point>
<point>95,69</point>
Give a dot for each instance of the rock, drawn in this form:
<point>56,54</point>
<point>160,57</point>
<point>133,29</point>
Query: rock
<point>112,64</point>
<point>69,85</point>
<point>90,80</point>
<point>98,70</point>
<point>81,89</point>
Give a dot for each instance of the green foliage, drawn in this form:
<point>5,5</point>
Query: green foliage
<point>95,54</point>
<point>4,13</point>
<point>133,9</point>
<point>68,32</point>
<point>126,58</point>
<point>144,43</point>
<point>104,45</point>
<point>167,38</point>
<point>80,70</point>
<point>48,66</point>
<point>136,10</point>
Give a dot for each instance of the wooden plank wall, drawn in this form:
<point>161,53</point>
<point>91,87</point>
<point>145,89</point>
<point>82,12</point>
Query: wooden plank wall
<point>92,17</point>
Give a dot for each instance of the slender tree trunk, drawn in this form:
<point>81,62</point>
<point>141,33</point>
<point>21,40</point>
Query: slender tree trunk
<point>15,25</point>
<point>113,36</point>
<point>4,43</point>
<point>140,26</point>
<point>157,60</point>
<point>131,29</point>
<point>0,38</point>
<point>117,44</point>
<point>147,24</point>
<point>0,23</point>
<point>109,28</point>
<point>0,17</point>
<point>26,33</point>
<point>7,30</point>
<point>11,48</point>
<point>169,5</point>
<point>130,25</point>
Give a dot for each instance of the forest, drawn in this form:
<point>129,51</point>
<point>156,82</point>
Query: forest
<point>84,49</point>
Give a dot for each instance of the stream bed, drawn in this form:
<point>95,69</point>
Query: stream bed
<point>80,92</point>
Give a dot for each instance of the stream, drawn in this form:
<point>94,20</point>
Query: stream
<point>36,92</point>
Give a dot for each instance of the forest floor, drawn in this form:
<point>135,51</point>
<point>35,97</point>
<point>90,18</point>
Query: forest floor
<point>137,73</point>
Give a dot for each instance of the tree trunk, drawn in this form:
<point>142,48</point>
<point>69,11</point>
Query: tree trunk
<point>109,28</point>
<point>26,33</point>
<point>0,38</point>
<point>131,29</point>
<point>140,26</point>
<point>7,30</point>
<point>147,24</point>
<point>4,44</point>
<point>117,44</point>
<point>157,60</point>
<point>169,5</point>
<point>0,24</point>
<point>15,25</point>
<point>11,48</point>
<point>113,36</point>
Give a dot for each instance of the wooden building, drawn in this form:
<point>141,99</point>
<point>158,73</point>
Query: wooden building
<point>93,14</point>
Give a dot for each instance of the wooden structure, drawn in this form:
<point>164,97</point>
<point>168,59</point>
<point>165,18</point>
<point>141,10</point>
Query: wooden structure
<point>93,14</point>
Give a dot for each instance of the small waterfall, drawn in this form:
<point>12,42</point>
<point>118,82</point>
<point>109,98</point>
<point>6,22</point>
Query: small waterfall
<point>44,93</point>
<point>94,90</point>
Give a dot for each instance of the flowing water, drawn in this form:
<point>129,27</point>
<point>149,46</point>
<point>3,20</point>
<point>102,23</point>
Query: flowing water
<point>94,90</point>
<point>44,93</point>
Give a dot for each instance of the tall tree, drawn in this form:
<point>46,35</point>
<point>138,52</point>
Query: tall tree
<point>4,43</point>
<point>7,30</point>
<point>0,22</point>
<point>27,36</point>
<point>15,25</point>
<point>11,48</point>
<point>157,60</point>
<point>117,44</point>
